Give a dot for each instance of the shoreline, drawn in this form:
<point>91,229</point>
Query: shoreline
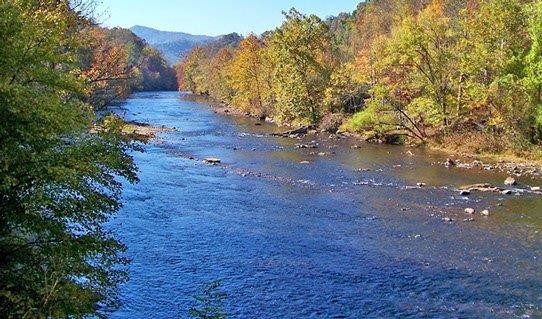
<point>143,132</point>
<point>511,164</point>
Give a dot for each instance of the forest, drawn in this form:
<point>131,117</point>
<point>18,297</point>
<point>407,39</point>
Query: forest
<point>458,74</point>
<point>61,165</point>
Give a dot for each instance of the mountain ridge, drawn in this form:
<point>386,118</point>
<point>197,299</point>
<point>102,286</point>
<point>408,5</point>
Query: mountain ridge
<point>172,44</point>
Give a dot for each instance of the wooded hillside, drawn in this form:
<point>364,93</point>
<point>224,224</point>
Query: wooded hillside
<point>450,72</point>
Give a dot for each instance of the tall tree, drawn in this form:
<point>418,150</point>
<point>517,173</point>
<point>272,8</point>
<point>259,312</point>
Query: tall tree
<point>58,177</point>
<point>414,73</point>
<point>300,51</point>
<point>249,76</point>
<point>220,75</point>
<point>492,59</point>
<point>533,60</point>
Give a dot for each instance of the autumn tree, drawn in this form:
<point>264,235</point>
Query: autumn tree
<point>414,74</point>
<point>156,74</point>
<point>59,179</point>
<point>220,75</point>
<point>250,77</point>
<point>106,67</point>
<point>299,49</point>
<point>533,62</point>
<point>492,57</point>
<point>190,71</point>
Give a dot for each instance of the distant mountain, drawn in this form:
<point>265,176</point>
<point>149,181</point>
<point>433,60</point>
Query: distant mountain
<point>224,41</point>
<point>172,44</point>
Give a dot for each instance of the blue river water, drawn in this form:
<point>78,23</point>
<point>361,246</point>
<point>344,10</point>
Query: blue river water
<point>342,236</point>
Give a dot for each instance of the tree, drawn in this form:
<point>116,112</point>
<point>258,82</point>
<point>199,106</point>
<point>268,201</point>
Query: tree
<point>220,77</point>
<point>299,50</point>
<point>156,74</point>
<point>190,71</point>
<point>107,68</point>
<point>210,303</point>
<point>249,77</point>
<point>344,92</point>
<point>492,57</point>
<point>533,61</point>
<point>412,74</point>
<point>58,176</point>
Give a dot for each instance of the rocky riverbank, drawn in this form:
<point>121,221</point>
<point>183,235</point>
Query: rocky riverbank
<point>143,131</point>
<point>510,164</point>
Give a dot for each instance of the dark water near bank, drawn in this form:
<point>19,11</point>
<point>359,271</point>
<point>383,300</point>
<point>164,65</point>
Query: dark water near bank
<point>317,240</point>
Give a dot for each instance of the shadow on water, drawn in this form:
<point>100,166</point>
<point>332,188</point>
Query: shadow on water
<point>316,240</point>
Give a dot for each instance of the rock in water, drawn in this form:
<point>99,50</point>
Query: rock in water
<point>470,210</point>
<point>535,189</point>
<point>449,162</point>
<point>212,160</point>
<point>510,181</point>
<point>485,212</point>
<point>464,192</point>
<point>506,192</point>
<point>421,184</point>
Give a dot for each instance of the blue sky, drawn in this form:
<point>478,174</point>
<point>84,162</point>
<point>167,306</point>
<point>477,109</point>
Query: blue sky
<point>212,17</point>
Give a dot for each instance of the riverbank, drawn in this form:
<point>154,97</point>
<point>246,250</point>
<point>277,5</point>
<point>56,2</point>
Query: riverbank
<point>516,164</point>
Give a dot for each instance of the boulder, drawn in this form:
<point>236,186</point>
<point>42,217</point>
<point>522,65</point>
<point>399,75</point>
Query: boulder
<point>449,162</point>
<point>421,184</point>
<point>331,122</point>
<point>485,212</point>
<point>470,211</point>
<point>535,188</point>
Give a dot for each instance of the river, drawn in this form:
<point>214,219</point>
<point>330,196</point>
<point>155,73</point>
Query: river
<point>343,236</point>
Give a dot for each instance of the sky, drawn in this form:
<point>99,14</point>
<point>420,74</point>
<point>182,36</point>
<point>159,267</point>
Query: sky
<point>212,17</point>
